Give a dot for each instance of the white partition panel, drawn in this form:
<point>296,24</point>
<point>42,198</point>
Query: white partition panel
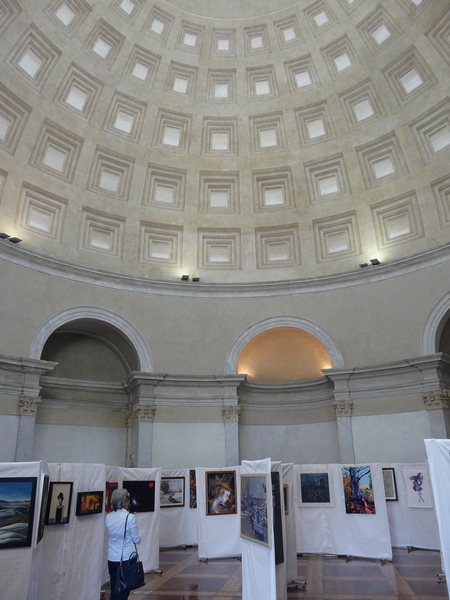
<point>218,535</point>
<point>328,529</point>
<point>178,523</point>
<point>281,568</point>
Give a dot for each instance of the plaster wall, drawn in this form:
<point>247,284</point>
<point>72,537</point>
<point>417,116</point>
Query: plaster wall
<point>9,426</point>
<point>300,444</point>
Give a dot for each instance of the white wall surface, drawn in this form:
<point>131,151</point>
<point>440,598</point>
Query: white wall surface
<point>391,438</point>
<point>181,445</point>
<point>300,444</point>
<point>77,444</point>
<point>8,435</point>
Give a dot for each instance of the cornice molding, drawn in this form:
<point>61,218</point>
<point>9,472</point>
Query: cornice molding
<point>51,266</point>
<point>79,385</point>
<point>25,365</point>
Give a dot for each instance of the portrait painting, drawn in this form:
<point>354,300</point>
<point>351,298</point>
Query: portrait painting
<point>44,500</point>
<point>171,492</point>
<point>89,503</point>
<point>142,495</point>
<point>192,489</point>
<point>221,493</point>
<point>256,508</point>
<point>110,487</point>
<point>358,490</point>
<point>418,491</point>
<point>390,485</point>
<point>316,489</point>
<point>59,501</point>
<point>17,504</point>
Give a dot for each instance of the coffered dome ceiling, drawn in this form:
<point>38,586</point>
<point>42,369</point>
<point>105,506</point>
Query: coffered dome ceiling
<point>239,141</point>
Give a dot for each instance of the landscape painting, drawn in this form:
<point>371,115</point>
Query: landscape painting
<point>171,492</point>
<point>315,489</point>
<point>358,490</point>
<point>256,510</point>
<point>17,503</point>
<point>418,491</point>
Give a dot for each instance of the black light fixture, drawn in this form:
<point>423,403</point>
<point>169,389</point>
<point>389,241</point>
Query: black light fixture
<point>196,279</point>
<point>14,240</point>
<point>185,278</point>
<point>375,261</point>
<point>362,265</point>
<point>4,236</point>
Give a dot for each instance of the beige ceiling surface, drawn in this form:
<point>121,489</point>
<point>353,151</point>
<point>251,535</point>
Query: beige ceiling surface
<point>253,142</point>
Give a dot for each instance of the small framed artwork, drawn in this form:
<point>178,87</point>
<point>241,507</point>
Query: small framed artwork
<point>142,495</point>
<point>17,504</point>
<point>358,490</point>
<point>110,487</point>
<point>192,489</point>
<point>286,498</point>
<point>418,492</point>
<point>256,508</point>
<point>171,492</point>
<point>221,493</point>
<point>390,485</point>
<point>44,501</point>
<point>59,502</point>
<point>89,503</point>
<point>316,489</point>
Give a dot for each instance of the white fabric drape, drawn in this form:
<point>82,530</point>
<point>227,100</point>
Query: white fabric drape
<point>281,568</point>
<point>218,535</point>
<point>179,523</point>
<point>258,562</point>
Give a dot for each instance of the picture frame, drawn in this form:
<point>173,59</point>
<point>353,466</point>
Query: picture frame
<point>417,485</point>
<point>43,508</point>
<point>221,493</point>
<point>89,503</point>
<point>286,498</point>
<point>277,517</point>
<point>315,488</point>
<point>171,492</point>
<point>192,489</point>
<point>142,495</point>
<point>110,487</point>
<point>390,484</point>
<point>358,490</point>
<point>256,508</point>
<point>59,503</point>
<point>17,506</point>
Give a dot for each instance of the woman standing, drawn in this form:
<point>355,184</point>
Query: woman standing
<point>118,544</point>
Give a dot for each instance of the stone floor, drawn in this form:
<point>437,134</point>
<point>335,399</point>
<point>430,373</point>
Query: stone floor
<point>410,576</point>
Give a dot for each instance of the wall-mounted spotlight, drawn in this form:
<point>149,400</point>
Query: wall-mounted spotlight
<point>4,236</point>
<point>13,240</point>
<point>362,265</point>
<point>196,279</point>
<point>375,261</point>
<point>185,278</point>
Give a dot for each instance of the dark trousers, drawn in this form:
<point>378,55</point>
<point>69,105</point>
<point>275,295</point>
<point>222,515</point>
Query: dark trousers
<point>112,568</point>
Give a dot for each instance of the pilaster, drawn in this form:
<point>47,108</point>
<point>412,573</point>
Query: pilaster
<point>230,416</point>
<point>28,406</point>
<point>343,410</point>
<point>437,403</point>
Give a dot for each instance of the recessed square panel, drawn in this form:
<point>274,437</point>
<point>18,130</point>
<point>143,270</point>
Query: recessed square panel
<point>171,136</point>
<point>303,78</point>
<point>411,80</point>
<point>140,71</point>
<point>102,48</point>
<point>383,167</point>
<point>189,39</point>
<point>289,34</point>
<point>441,138</point>
<point>315,128</point>
<point>273,196</point>
<point>4,127</point>
<point>221,90</point>
<point>219,141</point>
<point>342,61</point>
<point>180,85</point>
<point>30,62</point>
<point>124,121</point>
<point>328,185</point>
<point>77,98</point>
<point>381,34</point>
<point>219,198</point>
<point>157,26</point>
<point>321,18</point>
<point>55,158</point>
<point>262,87</point>
<point>109,181</point>
<point>127,6</point>
<point>65,14</point>
<point>267,138</point>
<point>164,194</point>
<point>256,43</point>
<point>223,45</point>
<point>363,110</point>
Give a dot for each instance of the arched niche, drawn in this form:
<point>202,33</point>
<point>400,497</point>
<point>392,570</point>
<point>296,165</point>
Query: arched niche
<point>436,333</point>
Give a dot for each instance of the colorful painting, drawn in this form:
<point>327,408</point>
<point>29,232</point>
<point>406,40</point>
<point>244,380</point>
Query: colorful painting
<point>44,500</point>
<point>142,495</point>
<point>17,503</point>
<point>192,489</point>
<point>89,503</point>
<point>418,491</point>
<point>256,511</point>
<point>59,501</point>
<point>110,487</point>
<point>221,493</point>
<point>315,489</point>
<point>171,492</point>
<point>390,485</point>
<point>358,490</point>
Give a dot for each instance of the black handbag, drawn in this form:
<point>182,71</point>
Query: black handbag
<point>130,574</point>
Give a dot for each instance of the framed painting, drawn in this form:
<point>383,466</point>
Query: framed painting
<point>316,490</point>
<point>89,503</point>
<point>59,502</point>
<point>171,492</point>
<point>417,484</point>
<point>256,508</point>
<point>221,493</point>
<point>390,485</point>
<point>286,498</point>
<point>44,500</point>
<point>358,490</point>
<point>17,504</point>
<point>192,489</point>
<point>277,517</point>
<point>142,495</point>
<point>110,487</point>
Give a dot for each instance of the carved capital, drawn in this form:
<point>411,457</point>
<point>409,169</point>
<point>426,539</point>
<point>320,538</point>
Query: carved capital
<point>28,405</point>
<point>343,408</point>
<point>436,399</point>
<point>231,414</point>
<point>143,412</point>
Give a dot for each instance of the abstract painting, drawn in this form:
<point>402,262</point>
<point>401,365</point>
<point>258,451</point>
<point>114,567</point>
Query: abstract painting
<point>17,503</point>
<point>142,495</point>
<point>192,489</point>
<point>316,489</point>
<point>256,508</point>
<point>221,493</point>
<point>110,487</point>
<point>418,491</point>
<point>89,503</point>
<point>59,501</point>
<point>358,490</point>
<point>171,492</point>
